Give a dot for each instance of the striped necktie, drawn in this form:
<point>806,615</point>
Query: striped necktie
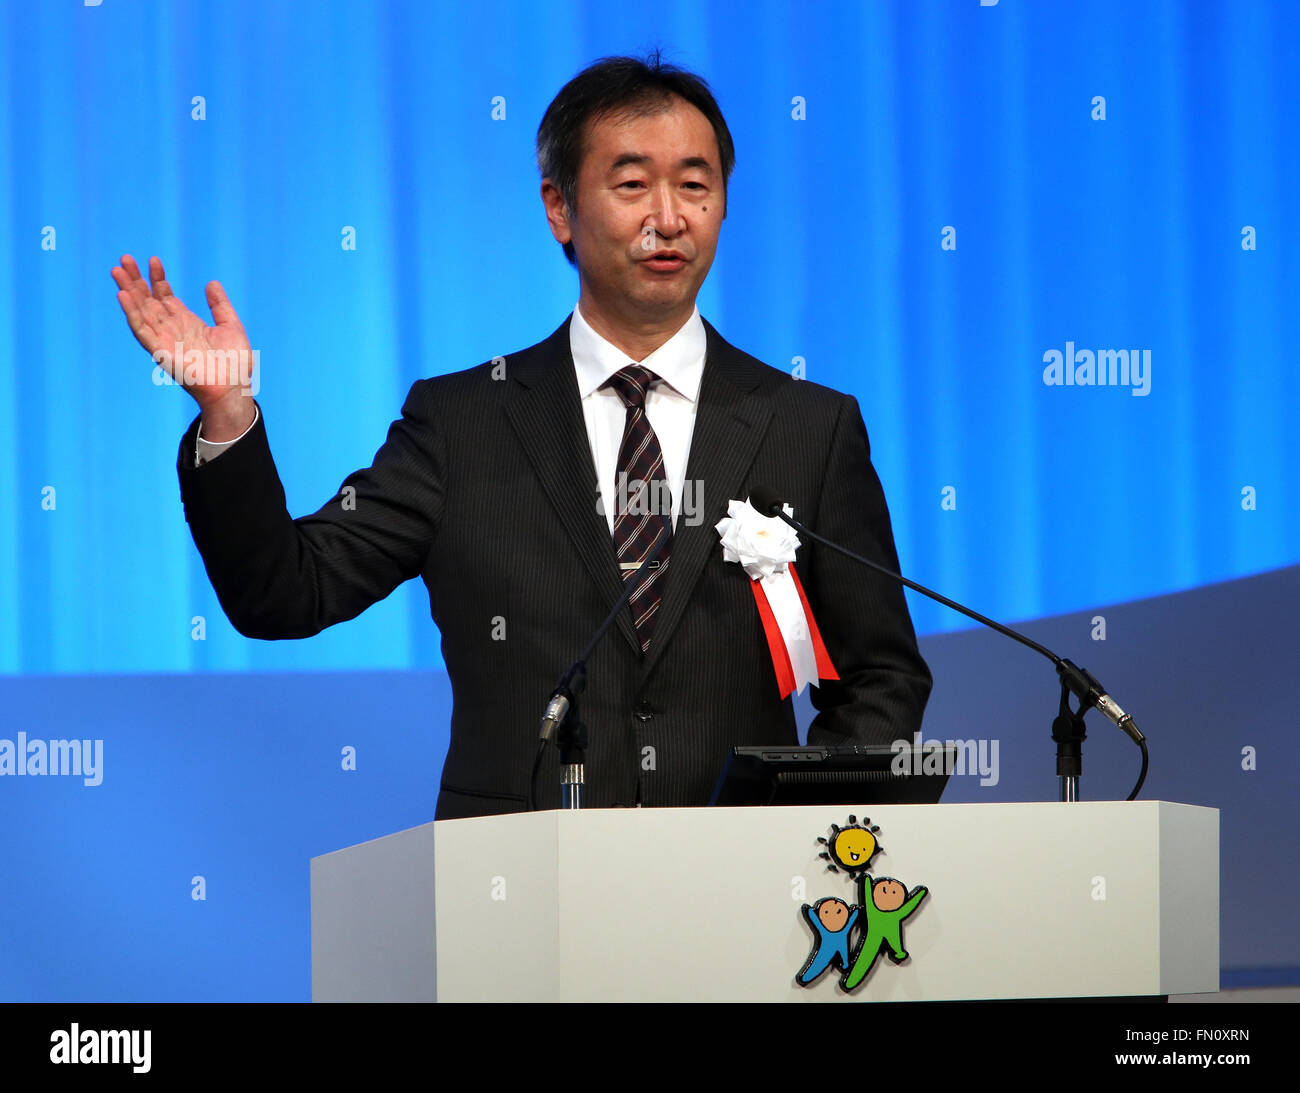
<point>644,501</point>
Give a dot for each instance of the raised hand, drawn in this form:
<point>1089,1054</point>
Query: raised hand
<point>161,323</point>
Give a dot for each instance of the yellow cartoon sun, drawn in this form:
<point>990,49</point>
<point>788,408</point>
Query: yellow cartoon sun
<point>851,847</point>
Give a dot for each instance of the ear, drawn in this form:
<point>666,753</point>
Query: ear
<point>557,213</point>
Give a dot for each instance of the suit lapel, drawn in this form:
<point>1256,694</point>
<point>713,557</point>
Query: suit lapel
<point>730,422</point>
<point>546,414</point>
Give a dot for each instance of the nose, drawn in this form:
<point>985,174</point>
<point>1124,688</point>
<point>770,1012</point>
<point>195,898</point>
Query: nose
<point>665,217</point>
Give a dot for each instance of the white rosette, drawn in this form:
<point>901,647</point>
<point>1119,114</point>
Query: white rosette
<point>765,546</point>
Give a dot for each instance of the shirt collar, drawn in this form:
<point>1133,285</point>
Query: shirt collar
<point>679,362</point>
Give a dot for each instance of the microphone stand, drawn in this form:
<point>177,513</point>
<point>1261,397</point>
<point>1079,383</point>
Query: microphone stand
<point>1067,728</point>
<point>570,734</point>
<point>572,742</point>
<point>561,717</point>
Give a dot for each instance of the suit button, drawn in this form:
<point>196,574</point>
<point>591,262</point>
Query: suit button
<point>642,711</point>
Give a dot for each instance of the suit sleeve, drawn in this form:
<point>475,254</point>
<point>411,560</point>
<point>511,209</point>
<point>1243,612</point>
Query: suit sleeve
<point>884,683</point>
<point>277,577</point>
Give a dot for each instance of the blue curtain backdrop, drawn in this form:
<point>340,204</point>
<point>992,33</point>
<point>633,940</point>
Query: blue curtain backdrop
<point>1117,234</point>
<point>927,202</point>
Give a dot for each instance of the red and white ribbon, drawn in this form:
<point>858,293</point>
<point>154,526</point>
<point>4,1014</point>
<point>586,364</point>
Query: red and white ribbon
<point>766,547</point>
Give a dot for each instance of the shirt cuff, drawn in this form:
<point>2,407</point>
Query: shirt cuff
<point>207,450</point>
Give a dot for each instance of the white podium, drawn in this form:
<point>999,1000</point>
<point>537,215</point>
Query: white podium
<point>1022,901</point>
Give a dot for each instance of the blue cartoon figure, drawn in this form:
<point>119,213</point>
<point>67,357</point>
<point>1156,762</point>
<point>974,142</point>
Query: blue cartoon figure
<point>832,924</point>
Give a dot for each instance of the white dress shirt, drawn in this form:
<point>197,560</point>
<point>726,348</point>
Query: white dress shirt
<point>670,406</point>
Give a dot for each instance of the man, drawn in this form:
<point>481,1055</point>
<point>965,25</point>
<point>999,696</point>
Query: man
<point>504,487</point>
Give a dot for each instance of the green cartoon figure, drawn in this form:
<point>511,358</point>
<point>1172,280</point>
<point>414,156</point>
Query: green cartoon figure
<point>884,913</point>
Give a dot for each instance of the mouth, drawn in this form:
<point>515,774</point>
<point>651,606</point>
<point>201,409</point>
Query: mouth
<point>666,262</point>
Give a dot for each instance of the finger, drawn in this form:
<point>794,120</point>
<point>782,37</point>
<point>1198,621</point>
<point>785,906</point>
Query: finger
<point>222,311</point>
<point>132,270</point>
<point>133,317</point>
<point>139,323</point>
<point>126,282</point>
<point>130,278</point>
<point>162,291</point>
<point>158,279</point>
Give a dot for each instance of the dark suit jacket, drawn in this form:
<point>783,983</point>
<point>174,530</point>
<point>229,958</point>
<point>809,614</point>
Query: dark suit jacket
<point>485,489</point>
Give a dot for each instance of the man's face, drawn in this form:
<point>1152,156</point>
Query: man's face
<point>647,185</point>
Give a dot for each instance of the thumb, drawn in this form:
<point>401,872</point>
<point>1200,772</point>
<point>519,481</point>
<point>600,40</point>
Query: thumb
<point>222,312</point>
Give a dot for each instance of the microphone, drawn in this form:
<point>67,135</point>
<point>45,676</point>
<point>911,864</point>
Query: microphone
<point>556,711</point>
<point>765,501</point>
<point>1092,693</point>
<point>1078,681</point>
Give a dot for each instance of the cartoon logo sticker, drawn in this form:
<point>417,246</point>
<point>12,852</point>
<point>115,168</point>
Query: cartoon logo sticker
<point>854,936</point>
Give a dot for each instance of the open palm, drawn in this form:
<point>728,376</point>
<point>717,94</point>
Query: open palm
<point>160,321</point>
